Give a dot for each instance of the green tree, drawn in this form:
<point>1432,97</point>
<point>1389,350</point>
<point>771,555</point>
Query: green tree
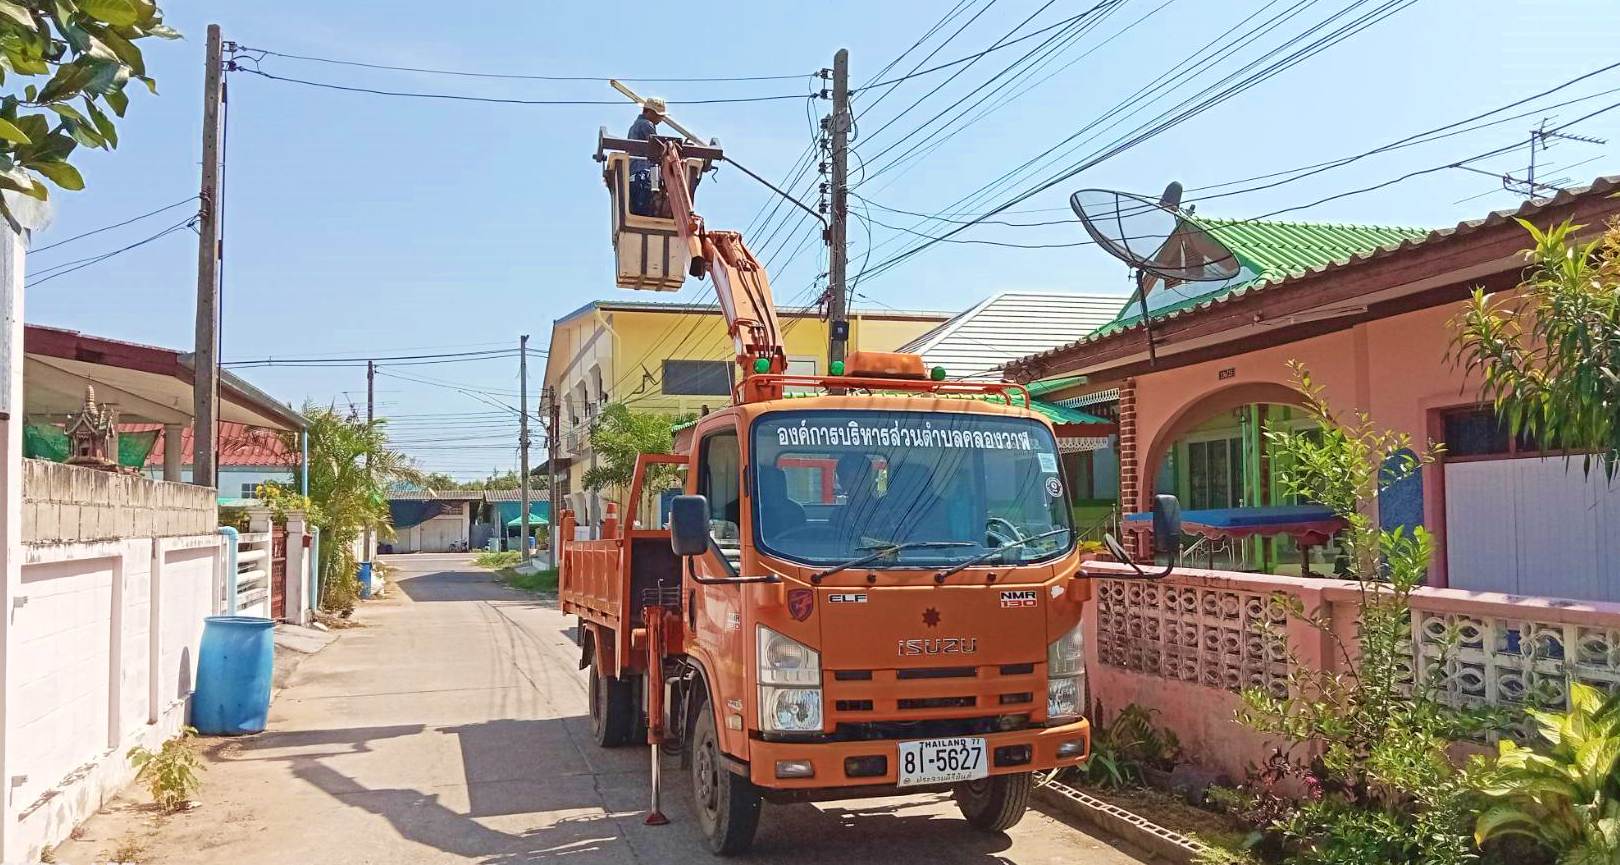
<point>1549,353</point>
<point>618,435</point>
<point>349,497</point>
<point>86,53</point>
<point>1374,738</point>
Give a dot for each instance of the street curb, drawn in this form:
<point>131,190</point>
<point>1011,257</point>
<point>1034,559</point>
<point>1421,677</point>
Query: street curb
<point>1138,831</point>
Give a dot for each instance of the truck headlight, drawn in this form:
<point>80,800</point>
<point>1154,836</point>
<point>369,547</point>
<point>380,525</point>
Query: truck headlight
<point>789,684</point>
<point>790,710</point>
<point>1066,677</point>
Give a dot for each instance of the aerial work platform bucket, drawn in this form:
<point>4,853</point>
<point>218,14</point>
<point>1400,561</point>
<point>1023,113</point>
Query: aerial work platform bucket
<point>649,252</point>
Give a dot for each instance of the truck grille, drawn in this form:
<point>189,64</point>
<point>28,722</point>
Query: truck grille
<point>914,694</point>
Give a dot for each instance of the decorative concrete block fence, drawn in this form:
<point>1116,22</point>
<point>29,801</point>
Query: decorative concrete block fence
<point>1187,645</point>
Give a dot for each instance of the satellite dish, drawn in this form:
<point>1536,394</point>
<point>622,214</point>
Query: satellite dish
<point>1152,236</point>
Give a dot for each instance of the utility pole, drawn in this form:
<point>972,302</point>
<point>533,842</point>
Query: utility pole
<point>553,419</point>
<point>371,415</point>
<point>523,437</point>
<point>838,251</point>
<point>205,375</point>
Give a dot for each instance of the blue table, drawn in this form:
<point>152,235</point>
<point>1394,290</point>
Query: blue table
<point>1309,525</point>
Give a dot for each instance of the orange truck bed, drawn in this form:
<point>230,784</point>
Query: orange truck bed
<point>607,587</point>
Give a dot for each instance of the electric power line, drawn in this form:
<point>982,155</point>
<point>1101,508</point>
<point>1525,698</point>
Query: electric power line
<point>461,97</point>
<point>74,266</point>
<point>509,75</point>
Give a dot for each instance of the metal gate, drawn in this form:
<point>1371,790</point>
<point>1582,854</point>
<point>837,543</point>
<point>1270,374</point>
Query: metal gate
<point>278,572</point>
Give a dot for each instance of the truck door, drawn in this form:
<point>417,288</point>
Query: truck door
<point>716,610</point>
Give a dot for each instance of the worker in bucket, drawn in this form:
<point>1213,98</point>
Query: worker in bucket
<point>643,171</point>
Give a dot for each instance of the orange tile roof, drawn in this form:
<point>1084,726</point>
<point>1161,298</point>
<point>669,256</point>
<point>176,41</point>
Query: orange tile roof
<point>239,445</point>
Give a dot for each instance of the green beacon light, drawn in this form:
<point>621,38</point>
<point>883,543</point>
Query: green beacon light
<point>937,373</point>
<point>762,364</point>
<point>837,367</point>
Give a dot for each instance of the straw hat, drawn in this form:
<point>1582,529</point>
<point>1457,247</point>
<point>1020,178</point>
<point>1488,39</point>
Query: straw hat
<point>655,105</point>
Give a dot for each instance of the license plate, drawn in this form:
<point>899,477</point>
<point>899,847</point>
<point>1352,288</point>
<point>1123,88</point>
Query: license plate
<point>942,761</point>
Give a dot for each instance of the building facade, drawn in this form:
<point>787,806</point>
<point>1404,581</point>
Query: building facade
<point>1374,328</point>
<point>675,359</point>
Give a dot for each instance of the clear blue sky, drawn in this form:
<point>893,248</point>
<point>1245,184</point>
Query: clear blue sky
<point>362,224</point>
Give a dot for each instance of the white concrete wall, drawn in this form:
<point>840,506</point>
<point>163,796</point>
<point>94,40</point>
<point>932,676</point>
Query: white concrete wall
<point>116,574</point>
<point>435,535</point>
<point>103,642</point>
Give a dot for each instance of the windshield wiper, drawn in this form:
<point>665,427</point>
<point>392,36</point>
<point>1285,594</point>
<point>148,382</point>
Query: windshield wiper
<point>992,553</point>
<point>881,550</point>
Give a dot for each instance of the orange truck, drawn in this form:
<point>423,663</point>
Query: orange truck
<point>910,623</point>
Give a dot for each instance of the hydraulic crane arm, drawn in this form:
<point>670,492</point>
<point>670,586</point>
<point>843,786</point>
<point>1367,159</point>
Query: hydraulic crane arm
<point>740,281</point>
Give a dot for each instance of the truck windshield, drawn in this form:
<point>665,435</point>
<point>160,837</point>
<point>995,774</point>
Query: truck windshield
<point>831,486</point>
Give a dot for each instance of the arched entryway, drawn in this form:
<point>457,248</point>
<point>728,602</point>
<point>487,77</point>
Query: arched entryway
<point>1213,454</point>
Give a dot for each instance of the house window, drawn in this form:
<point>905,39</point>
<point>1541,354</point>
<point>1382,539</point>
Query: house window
<point>1215,473</point>
<point>1480,433</point>
<point>250,491</point>
<point>697,377</point>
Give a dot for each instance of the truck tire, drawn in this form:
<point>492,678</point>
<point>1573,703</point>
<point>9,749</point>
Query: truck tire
<point>613,709</point>
<point>727,804</point>
<point>996,803</point>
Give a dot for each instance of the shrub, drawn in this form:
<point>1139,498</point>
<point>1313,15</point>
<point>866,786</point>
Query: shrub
<point>1374,732</point>
<point>170,772</point>
<point>1567,800</point>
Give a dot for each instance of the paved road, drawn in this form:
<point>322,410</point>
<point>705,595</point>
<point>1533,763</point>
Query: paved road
<point>453,728</point>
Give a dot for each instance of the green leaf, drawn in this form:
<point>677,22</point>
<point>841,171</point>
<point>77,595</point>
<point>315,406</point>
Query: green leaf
<point>126,51</point>
<point>66,83</point>
<point>164,31</point>
<point>151,85</point>
<point>119,13</point>
<point>103,123</point>
<point>16,13</point>
<point>117,100</point>
<point>69,112</point>
<point>19,181</point>
<point>10,132</point>
<point>60,173</point>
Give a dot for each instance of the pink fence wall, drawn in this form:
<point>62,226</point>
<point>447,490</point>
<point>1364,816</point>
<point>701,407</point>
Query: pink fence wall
<point>1185,646</point>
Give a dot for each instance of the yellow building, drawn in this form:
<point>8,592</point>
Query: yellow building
<point>677,359</point>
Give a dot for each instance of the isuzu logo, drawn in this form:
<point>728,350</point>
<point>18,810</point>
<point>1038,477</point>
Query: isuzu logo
<point>939,646</point>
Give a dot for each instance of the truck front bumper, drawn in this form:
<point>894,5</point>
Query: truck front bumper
<point>856,764</point>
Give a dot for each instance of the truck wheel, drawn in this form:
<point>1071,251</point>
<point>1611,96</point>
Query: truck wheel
<point>613,709</point>
<point>727,803</point>
<point>997,803</point>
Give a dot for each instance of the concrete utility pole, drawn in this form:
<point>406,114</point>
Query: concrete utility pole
<point>371,415</point>
<point>205,376</point>
<point>523,437</point>
<point>838,250</point>
<point>553,417</point>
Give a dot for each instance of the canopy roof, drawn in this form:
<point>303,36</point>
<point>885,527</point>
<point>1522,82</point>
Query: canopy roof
<point>144,382</point>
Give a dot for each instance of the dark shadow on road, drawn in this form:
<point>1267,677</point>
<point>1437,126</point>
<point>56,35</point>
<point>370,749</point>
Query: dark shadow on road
<point>534,767</point>
<point>452,585</point>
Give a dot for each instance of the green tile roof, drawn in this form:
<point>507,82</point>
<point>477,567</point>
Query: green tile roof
<point>1274,251</point>
<point>1046,386</point>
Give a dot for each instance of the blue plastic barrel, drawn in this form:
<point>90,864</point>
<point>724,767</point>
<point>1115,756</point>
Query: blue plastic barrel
<point>233,675</point>
<point>365,579</point>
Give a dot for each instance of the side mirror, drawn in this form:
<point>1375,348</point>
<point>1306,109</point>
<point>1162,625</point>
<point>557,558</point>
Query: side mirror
<point>689,525</point>
<point>1166,524</point>
<point>1166,539</point>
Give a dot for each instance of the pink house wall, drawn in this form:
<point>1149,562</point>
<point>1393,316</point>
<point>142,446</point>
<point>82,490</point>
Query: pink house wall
<point>1395,368</point>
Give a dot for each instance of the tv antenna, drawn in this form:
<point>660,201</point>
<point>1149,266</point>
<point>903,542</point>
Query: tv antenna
<point>1154,239</point>
<point>1541,138</point>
